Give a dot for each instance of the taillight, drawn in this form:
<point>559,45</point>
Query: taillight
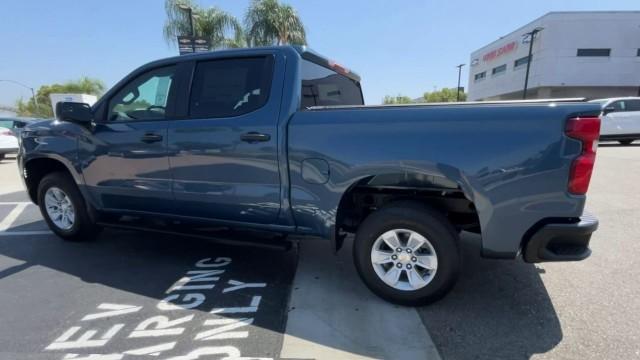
<point>587,130</point>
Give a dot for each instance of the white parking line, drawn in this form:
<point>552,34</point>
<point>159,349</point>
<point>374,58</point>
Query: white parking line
<point>12,216</point>
<point>6,223</point>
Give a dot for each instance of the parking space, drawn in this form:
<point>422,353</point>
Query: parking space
<point>138,294</point>
<point>130,294</point>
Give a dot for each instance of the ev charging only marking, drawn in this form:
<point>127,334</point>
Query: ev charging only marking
<point>13,215</point>
<point>209,336</point>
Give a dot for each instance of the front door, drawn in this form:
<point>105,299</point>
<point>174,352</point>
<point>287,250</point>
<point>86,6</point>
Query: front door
<point>224,154</point>
<point>125,162</point>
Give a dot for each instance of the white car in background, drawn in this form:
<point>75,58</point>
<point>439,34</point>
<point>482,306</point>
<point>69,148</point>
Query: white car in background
<point>8,142</point>
<point>620,119</point>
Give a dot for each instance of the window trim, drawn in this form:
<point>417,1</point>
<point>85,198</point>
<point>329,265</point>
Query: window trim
<point>476,78</point>
<point>608,50</point>
<point>192,76</point>
<point>520,66</point>
<point>503,66</point>
<point>172,97</point>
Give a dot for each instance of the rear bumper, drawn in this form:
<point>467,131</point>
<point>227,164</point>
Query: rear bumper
<point>558,241</point>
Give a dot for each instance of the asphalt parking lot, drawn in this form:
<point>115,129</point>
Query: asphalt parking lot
<point>131,294</point>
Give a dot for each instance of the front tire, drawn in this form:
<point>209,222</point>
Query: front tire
<point>407,253</point>
<point>64,208</point>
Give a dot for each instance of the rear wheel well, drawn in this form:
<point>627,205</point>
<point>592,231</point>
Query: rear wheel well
<point>36,170</point>
<point>362,199</point>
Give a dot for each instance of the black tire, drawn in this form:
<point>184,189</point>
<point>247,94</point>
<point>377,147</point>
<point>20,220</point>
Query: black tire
<point>625,142</point>
<point>2,156</point>
<point>427,222</point>
<point>83,229</point>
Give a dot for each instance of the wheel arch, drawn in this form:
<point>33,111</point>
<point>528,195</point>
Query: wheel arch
<point>451,195</point>
<point>35,169</point>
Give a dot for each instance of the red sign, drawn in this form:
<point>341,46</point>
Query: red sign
<point>496,53</point>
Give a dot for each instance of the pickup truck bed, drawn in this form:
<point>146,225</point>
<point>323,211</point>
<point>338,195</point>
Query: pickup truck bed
<point>510,160</point>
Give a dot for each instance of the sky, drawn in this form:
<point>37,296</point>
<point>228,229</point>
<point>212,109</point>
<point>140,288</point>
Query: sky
<point>398,47</point>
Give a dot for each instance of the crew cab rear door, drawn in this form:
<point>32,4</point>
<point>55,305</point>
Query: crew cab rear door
<point>224,152</point>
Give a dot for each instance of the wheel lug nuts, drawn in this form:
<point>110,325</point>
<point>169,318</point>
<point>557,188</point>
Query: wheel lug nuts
<point>414,259</point>
<point>408,251</point>
<point>409,266</point>
<point>399,250</point>
<point>394,257</point>
<point>399,265</point>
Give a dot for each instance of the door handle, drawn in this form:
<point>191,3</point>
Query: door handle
<point>252,137</point>
<point>150,138</point>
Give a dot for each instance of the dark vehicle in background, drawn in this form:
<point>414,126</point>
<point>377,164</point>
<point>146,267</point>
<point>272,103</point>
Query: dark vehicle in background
<point>278,139</point>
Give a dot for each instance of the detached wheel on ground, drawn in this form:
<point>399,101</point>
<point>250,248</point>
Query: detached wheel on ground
<point>407,253</point>
<point>625,142</point>
<point>64,209</point>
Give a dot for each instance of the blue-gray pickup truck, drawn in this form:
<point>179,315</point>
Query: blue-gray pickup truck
<point>278,139</point>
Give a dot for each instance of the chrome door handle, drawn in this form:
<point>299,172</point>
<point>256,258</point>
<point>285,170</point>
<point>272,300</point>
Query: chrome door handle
<point>253,137</point>
<point>150,138</point>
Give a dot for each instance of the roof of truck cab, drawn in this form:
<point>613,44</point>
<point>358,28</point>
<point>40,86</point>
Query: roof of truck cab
<point>304,51</point>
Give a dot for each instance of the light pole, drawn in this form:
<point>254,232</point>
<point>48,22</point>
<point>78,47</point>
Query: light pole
<point>189,11</point>
<point>532,36</point>
<point>459,74</point>
<point>33,94</point>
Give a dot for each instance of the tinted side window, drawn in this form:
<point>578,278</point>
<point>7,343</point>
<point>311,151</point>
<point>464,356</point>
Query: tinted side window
<point>230,87</point>
<point>143,98</point>
<point>633,105</point>
<point>619,106</point>
<point>324,87</point>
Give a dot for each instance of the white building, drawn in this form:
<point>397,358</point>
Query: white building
<point>576,54</point>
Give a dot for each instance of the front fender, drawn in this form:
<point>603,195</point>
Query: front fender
<point>46,147</point>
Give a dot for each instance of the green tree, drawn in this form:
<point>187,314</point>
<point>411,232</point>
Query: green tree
<point>219,27</point>
<point>399,99</point>
<point>84,85</point>
<point>444,95</point>
<point>268,22</point>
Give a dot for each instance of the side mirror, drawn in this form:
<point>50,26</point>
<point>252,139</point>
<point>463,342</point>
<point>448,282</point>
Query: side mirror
<point>608,109</point>
<point>74,112</point>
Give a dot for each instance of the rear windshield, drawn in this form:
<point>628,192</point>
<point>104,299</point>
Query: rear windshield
<point>324,87</point>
